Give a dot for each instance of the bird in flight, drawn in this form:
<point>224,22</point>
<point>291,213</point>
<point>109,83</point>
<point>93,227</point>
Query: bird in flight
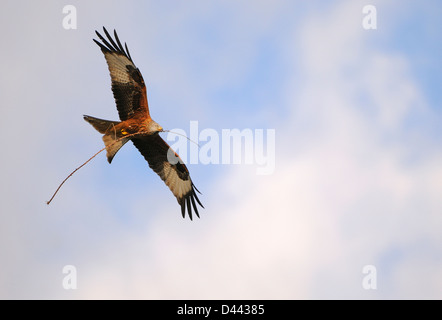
<point>136,125</point>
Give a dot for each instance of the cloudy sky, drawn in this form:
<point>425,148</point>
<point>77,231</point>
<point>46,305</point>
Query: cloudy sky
<point>357,179</point>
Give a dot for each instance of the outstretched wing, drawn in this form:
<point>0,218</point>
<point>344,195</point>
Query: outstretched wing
<point>127,82</point>
<point>169,166</point>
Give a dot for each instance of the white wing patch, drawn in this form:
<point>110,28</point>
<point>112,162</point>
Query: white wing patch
<point>178,186</point>
<point>117,67</point>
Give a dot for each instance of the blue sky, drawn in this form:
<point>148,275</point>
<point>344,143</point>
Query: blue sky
<point>358,173</point>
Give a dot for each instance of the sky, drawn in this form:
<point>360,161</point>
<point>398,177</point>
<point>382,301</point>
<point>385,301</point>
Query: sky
<point>351,208</point>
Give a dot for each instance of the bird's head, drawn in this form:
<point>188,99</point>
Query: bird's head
<point>153,127</point>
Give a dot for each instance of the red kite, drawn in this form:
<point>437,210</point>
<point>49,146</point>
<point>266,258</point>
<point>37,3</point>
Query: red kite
<point>136,124</point>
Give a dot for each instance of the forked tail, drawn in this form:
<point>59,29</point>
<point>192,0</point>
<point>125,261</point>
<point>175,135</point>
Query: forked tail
<point>112,139</point>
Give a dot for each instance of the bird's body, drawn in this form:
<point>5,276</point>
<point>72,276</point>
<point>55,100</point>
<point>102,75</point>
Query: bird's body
<point>136,124</point>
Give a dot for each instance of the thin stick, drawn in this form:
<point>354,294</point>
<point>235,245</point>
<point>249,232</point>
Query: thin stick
<point>72,173</point>
<point>101,150</point>
<point>183,136</point>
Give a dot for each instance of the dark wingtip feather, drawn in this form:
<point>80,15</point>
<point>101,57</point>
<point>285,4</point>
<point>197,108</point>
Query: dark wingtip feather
<point>106,45</point>
<point>110,45</point>
<point>118,41</point>
<point>193,186</point>
<point>127,51</point>
<point>189,208</point>
<point>114,45</point>
<point>196,197</point>
<point>189,201</point>
<point>102,47</point>
<point>195,208</point>
<point>183,209</point>
<point>106,32</point>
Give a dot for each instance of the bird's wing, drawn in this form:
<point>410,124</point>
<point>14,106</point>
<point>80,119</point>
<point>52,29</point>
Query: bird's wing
<point>169,166</point>
<point>127,82</point>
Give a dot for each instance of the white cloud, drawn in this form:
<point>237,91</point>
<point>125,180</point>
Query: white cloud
<point>348,190</point>
<point>343,196</point>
